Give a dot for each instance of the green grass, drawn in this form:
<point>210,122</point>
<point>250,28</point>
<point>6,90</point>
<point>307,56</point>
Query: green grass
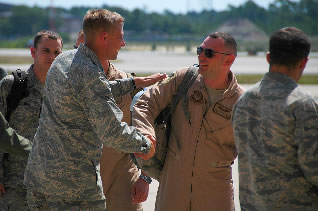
<point>253,78</point>
<point>16,60</point>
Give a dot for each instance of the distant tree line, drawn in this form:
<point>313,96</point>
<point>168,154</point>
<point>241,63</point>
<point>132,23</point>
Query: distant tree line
<point>26,21</point>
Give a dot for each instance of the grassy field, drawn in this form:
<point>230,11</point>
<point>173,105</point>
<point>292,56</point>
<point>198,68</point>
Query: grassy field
<point>251,79</point>
<point>16,60</point>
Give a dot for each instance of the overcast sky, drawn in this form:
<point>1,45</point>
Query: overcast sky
<point>176,6</point>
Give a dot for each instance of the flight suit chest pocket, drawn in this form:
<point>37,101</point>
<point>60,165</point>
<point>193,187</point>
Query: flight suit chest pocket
<point>218,126</point>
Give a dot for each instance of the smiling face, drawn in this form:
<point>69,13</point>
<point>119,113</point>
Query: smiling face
<point>44,53</point>
<point>114,41</point>
<point>212,67</point>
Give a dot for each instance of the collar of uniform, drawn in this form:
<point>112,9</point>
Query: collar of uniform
<point>280,78</point>
<point>112,72</point>
<point>229,92</point>
<point>233,86</point>
<point>90,54</point>
<point>33,82</point>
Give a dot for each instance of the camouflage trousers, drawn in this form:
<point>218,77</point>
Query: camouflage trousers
<point>38,201</point>
<point>13,200</point>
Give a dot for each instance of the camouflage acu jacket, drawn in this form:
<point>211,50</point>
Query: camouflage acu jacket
<point>79,115</point>
<point>276,132</point>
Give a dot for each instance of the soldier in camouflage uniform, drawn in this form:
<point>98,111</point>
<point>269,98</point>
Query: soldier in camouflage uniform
<point>276,132</point>
<point>24,119</point>
<point>123,188</point>
<point>197,174</point>
<point>79,115</point>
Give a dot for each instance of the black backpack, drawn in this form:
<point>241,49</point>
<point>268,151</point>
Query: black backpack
<point>17,93</point>
<point>153,166</point>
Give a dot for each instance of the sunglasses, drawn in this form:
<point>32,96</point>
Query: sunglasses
<point>208,52</point>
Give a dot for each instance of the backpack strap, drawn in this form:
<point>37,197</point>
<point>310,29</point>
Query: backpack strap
<point>189,78</point>
<point>18,91</point>
<point>182,90</point>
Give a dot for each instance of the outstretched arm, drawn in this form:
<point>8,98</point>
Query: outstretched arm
<point>121,87</point>
<point>149,80</point>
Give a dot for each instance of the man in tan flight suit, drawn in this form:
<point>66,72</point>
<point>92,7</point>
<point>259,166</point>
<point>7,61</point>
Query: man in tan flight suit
<point>123,188</point>
<point>197,174</point>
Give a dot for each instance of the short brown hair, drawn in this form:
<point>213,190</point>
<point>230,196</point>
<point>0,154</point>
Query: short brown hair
<point>51,34</point>
<point>229,41</point>
<point>288,46</point>
<point>100,20</point>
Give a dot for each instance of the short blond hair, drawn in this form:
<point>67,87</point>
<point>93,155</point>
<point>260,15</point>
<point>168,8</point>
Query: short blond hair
<point>97,20</point>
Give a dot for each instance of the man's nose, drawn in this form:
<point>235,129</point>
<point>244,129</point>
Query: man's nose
<point>123,43</point>
<point>52,56</point>
<point>201,56</point>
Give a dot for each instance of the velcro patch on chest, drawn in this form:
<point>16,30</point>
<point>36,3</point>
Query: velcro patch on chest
<point>222,110</point>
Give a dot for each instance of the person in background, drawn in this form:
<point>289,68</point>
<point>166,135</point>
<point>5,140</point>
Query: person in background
<point>123,187</point>
<point>79,116</point>
<point>197,174</point>
<point>276,132</point>
<point>24,119</point>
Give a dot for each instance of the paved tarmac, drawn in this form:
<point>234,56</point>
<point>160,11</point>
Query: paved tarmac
<point>169,61</point>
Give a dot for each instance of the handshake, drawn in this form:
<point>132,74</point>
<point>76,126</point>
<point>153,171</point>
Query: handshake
<point>151,151</point>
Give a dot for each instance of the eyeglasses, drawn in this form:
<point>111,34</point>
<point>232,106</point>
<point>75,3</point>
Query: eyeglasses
<point>208,52</point>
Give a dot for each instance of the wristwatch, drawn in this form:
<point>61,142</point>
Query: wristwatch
<point>145,178</point>
<point>133,83</point>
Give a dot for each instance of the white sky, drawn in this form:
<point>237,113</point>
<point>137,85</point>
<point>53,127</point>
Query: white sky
<point>175,6</point>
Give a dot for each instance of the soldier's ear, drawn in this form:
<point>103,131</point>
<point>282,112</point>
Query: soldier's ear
<point>32,49</point>
<point>229,60</point>
<point>104,35</point>
<point>267,57</point>
<point>303,62</point>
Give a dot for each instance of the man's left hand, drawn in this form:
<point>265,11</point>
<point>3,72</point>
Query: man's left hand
<point>140,191</point>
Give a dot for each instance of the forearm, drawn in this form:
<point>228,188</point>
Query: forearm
<point>11,142</point>
<point>126,139</point>
<point>121,87</point>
